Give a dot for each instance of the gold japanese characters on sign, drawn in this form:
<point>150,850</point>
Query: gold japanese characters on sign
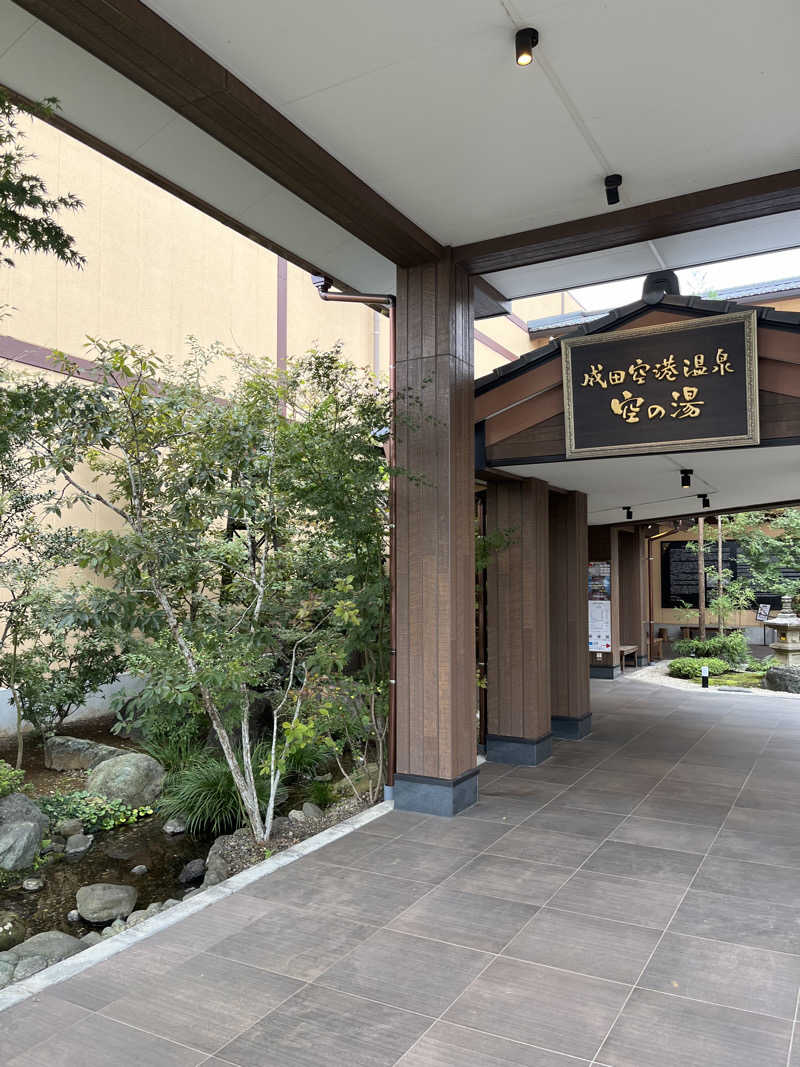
<point>663,388</point>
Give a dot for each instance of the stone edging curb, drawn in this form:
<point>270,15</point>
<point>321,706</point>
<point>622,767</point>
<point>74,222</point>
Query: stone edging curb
<point>88,957</point>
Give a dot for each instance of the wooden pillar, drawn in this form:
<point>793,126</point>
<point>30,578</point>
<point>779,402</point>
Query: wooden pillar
<point>435,541</point>
<point>518,623</point>
<point>571,715</point>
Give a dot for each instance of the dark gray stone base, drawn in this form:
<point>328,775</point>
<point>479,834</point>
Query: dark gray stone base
<point>643,661</point>
<point>435,796</point>
<point>783,679</point>
<point>518,750</point>
<point>571,729</point>
<point>604,672</point>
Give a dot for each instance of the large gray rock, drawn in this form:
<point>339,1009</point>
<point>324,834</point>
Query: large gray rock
<point>783,679</point>
<point>19,844</point>
<point>76,753</point>
<point>217,866</point>
<point>16,807</point>
<point>12,930</point>
<point>102,902</point>
<point>193,871</point>
<point>6,974</point>
<point>52,946</point>
<point>30,965</point>
<point>135,778</point>
<point>77,844</point>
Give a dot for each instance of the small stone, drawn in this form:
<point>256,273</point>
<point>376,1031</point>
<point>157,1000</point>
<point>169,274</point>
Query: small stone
<point>192,871</point>
<point>312,811</point>
<point>296,816</point>
<point>105,901</point>
<point>12,931</point>
<point>30,965</point>
<point>19,843</point>
<point>68,827</point>
<point>137,917</point>
<point>323,777</point>
<point>118,926</point>
<point>33,885</point>
<point>73,916</point>
<point>77,844</point>
<point>175,825</point>
<point>91,938</point>
<point>192,892</point>
<point>139,869</point>
<point>106,932</point>
<point>153,909</point>
<point>279,824</point>
<point>169,903</point>
<point>57,848</point>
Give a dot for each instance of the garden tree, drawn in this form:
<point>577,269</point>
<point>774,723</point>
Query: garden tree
<point>247,548</point>
<point>28,213</point>
<point>769,546</point>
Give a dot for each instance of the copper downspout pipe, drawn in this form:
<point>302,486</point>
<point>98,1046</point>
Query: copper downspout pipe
<point>387,301</point>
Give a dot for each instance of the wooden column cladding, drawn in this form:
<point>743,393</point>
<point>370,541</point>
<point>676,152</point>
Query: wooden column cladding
<point>436,690</point>
<point>518,621</point>
<point>569,615</point>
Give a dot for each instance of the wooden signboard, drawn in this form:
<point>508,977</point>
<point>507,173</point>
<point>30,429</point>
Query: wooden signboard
<point>670,388</point>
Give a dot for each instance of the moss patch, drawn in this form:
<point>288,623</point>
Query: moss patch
<point>746,679</point>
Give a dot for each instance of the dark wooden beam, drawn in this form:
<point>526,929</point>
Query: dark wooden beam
<point>750,199</point>
<point>132,39</point>
<point>489,301</point>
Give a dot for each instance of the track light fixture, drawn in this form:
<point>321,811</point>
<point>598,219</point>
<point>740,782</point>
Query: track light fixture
<point>628,513</point>
<point>525,41</point>
<point>704,501</point>
<point>612,184</point>
<point>686,478</point>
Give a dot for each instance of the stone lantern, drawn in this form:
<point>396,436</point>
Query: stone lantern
<point>785,676</point>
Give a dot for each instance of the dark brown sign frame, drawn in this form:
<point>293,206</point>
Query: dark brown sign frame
<point>746,415</point>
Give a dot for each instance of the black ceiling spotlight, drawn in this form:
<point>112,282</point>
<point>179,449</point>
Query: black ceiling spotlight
<point>686,478</point>
<point>704,501</point>
<point>526,40</point>
<point>612,184</point>
<point>628,513</point>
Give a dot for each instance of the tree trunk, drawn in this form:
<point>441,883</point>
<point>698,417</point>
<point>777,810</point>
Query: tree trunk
<point>701,577</point>
<point>721,615</point>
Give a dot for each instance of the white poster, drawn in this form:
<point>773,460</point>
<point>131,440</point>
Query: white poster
<point>599,625</point>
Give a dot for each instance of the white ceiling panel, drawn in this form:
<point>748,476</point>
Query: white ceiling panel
<point>650,485</point>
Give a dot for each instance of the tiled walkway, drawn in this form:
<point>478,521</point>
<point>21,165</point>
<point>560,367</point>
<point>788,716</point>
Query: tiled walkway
<point>632,902</point>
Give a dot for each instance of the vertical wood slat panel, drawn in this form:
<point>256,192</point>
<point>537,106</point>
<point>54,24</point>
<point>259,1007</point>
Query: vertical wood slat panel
<point>569,557</point>
<point>436,701</point>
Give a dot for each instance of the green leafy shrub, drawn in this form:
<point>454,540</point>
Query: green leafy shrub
<point>732,648</point>
<point>323,794</point>
<point>205,794</point>
<point>96,813</point>
<point>306,759</point>
<point>690,667</point>
<point>11,780</point>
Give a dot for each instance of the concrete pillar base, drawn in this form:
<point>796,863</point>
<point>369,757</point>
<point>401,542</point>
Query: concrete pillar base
<point>571,729</point>
<point>518,750</point>
<point>435,796</point>
<point>605,672</point>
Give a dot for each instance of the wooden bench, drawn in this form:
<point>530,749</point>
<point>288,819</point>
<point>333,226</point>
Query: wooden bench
<point>627,650</point>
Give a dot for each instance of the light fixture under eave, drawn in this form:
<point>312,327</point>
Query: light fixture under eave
<point>525,41</point>
<point>704,501</point>
<point>686,478</point>
<point>628,513</point>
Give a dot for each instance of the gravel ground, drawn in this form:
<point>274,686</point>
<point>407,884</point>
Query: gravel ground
<point>657,674</point>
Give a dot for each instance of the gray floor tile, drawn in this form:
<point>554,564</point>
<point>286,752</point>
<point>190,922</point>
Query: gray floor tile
<point>511,879</point>
<point>320,1026</point>
<point>659,833</point>
<point>757,923</point>
<point>623,899</point>
<point>661,865</point>
<point>517,785</point>
<point>209,925</point>
<point>131,971</point>
<point>300,943</point>
<point>595,825</point>
<point>557,1010</point>
<point>774,849</point>
<point>652,769</point>
<point>528,842</point>
<point>446,1045</point>
<point>482,922</point>
<point>549,773</point>
<point>406,972</point>
<point>507,810</point>
<point>667,1031</point>
<point>466,835</point>
<point>585,944</point>
<point>764,821</point>
<point>736,976</point>
<point>361,896</point>
<point>601,800</point>
<point>622,776</point>
<point>784,799</point>
<point>393,823</point>
<point>99,1042</point>
<point>204,1002</point>
<point>35,1019</point>
<point>683,811</point>
<point>348,848</point>
<point>758,881</point>
<point>696,792</point>
<point>698,774</point>
<point>419,861</point>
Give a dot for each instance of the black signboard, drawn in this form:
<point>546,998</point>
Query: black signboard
<point>679,573</point>
<point>662,388</point>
